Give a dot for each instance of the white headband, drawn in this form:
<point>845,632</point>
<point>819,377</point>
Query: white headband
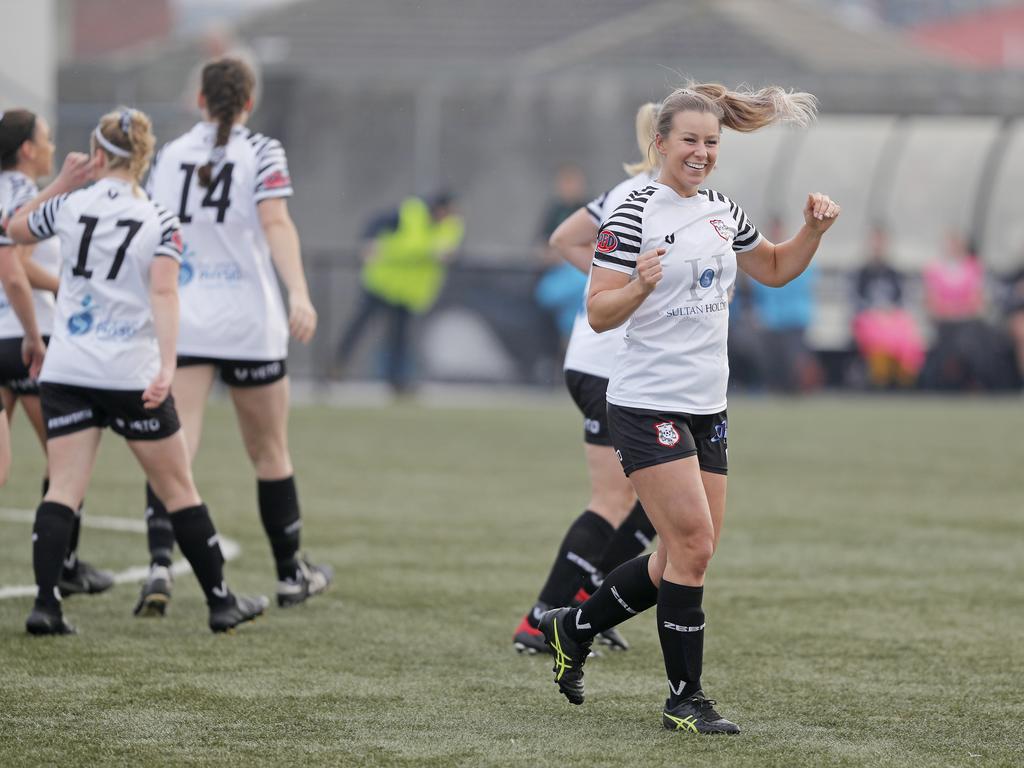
<point>109,146</point>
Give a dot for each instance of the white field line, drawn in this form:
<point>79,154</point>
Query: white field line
<point>228,547</point>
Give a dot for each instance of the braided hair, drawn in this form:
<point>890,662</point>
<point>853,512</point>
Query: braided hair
<point>227,86</point>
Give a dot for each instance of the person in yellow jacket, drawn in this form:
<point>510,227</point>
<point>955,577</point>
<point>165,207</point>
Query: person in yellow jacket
<point>406,255</point>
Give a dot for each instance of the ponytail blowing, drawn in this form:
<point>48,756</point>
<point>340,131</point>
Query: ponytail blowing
<point>743,109</point>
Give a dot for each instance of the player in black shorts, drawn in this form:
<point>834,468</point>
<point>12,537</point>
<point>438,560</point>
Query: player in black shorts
<point>112,358</point>
<point>614,527</point>
<point>231,188</point>
<point>26,155</point>
<point>665,261</point>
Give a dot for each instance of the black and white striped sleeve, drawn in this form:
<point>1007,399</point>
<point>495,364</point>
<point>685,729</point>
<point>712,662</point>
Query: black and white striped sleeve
<point>618,242</point>
<point>747,236</point>
<point>171,245</point>
<point>4,239</point>
<point>596,208</point>
<point>42,222</point>
<point>272,177</point>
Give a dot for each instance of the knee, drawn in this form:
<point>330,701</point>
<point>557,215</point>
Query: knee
<point>692,552</point>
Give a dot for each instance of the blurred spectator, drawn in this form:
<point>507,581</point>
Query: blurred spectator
<point>560,289</point>
<point>745,363</point>
<point>1013,308</point>
<point>405,255</point>
<point>785,314</point>
<point>887,336</point>
<point>968,353</point>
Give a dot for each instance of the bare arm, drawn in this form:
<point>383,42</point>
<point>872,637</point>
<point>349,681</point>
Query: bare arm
<point>614,297</point>
<point>573,240</point>
<point>163,299</point>
<point>76,171</point>
<point>775,265</point>
<point>19,293</point>
<point>287,255</point>
<point>39,277</point>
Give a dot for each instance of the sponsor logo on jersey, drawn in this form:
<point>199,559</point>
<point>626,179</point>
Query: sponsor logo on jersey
<point>721,432</point>
<point>706,277</point>
<point>607,242</point>
<point>81,322</point>
<point>670,238</point>
<point>667,434</point>
<point>721,228</point>
<point>277,180</point>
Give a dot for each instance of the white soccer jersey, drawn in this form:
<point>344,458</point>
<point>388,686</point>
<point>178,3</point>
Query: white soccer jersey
<point>589,351</point>
<point>103,334</point>
<point>675,355</point>
<point>231,304</point>
<point>16,189</point>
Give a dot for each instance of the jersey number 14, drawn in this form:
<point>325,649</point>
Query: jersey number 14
<point>218,194</point>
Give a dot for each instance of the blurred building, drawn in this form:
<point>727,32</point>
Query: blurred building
<point>377,99</point>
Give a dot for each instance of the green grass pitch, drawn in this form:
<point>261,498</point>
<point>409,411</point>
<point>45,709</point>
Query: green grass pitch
<point>866,606</point>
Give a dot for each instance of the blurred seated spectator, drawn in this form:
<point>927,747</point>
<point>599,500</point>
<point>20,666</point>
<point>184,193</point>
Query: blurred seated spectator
<point>968,352</point>
<point>887,337</point>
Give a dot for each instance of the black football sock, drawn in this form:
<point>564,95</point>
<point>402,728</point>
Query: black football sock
<point>50,536</point>
<point>582,545</point>
<point>681,631</point>
<point>159,530</point>
<point>630,539</point>
<point>198,540</point>
<point>626,591</point>
<point>279,511</point>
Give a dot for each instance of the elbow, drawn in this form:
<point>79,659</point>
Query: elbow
<point>598,323</point>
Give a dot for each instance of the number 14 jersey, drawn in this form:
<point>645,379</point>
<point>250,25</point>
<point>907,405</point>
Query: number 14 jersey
<point>231,306</point>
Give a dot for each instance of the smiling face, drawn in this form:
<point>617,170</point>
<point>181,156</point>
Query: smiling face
<point>689,151</point>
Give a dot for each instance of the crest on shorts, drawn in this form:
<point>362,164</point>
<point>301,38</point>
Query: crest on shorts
<point>607,242</point>
<point>667,434</point>
<point>721,228</point>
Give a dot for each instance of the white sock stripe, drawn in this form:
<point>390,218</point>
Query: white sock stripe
<point>615,594</point>
<point>680,628</point>
<point>572,557</point>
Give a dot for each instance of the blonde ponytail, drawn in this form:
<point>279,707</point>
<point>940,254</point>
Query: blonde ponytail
<point>646,125</point>
<point>743,109</point>
<point>126,137</point>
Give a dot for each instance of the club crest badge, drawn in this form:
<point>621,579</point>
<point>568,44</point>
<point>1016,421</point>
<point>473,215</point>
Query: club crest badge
<point>721,228</point>
<point>607,242</point>
<point>667,434</point>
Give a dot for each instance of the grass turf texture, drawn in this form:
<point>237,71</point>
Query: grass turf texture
<point>865,607</point>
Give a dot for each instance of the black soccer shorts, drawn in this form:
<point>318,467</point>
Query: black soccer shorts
<point>68,409</point>
<point>644,438</point>
<point>588,392</point>
<point>240,373</point>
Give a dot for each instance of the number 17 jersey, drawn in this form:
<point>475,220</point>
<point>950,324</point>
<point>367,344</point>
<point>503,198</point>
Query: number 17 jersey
<point>231,306</point>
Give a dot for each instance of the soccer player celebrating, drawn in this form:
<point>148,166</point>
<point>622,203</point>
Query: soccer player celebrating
<point>614,527</point>
<point>111,359</point>
<point>26,154</point>
<point>665,261</point>
<point>229,187</point>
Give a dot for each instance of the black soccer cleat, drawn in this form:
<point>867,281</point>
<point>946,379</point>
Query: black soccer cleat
<point>156,593</point>
<point>613,639</point>
<point>48,621</point>
<point>569,654</point>
<point>528,639</point>
<point>312,580</point>
<point>225,618</point>
<point>696,715</point>
<point>84,579</point>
